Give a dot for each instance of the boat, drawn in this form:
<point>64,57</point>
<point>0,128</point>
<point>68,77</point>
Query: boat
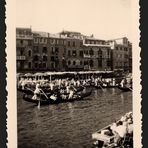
<point>46,101</point>
<point>126,84</point>
<point>125,88</point>
<point>105,138</point>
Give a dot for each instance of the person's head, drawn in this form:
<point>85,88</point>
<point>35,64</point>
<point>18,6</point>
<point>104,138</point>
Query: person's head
<point>37,85</point>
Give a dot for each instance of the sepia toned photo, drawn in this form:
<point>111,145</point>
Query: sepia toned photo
<point>75,79</point>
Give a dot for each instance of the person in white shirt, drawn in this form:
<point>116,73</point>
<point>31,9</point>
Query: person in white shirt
<point>120,132</point>
<point>71,93</point>
<point>51,86</point>
<point>36,93</point>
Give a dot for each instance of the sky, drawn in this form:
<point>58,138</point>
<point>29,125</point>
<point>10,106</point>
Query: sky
<point>105,19</point>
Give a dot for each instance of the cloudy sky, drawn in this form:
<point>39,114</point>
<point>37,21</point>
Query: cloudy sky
<point>106,19</point>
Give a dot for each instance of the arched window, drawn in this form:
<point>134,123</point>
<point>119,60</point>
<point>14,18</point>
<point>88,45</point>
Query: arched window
<point>29,65</point>
<point>85,62</point>
<point>69,62</point>
<point>74,62</point>
<point>29,53</point>
<point>91,52</point>
<point>81,53</point>
<point>100,53</point>
<point>91,63</point>
<point>44,50</point>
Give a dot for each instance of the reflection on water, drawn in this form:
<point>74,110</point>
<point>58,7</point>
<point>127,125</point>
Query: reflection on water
<point>70,125</point>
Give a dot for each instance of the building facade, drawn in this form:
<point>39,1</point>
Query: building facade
<point>121,54</point>
<point>70,51</point>
<point>24,46</point>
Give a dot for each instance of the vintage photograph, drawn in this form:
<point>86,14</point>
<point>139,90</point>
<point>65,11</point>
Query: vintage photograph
<point>74,74</point>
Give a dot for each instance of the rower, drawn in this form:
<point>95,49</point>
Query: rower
<point>71,93</point>
<point>36,92</point>
<point>67,89</point>
<point>23,84</point>
<point>51,86</point>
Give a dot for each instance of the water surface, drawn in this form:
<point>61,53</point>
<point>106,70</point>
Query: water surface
<point>70,125</point>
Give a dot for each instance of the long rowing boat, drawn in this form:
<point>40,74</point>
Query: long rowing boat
<point>45,101</point>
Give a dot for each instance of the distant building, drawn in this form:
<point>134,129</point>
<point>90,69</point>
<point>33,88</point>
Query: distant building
<point>24,46</point>
<point>70,51</point>
<point>97,54</point>
<point>121,54</point>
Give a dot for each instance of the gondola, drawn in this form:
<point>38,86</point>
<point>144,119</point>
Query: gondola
<point>125,88</point>
<point>45,101</point>
<point>96,86</point>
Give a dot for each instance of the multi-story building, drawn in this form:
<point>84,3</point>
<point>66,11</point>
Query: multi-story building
<point>70,51</point>
<point>73,54</point>
<point>86,52</point>
<point>24,46</point>
<point>121,54</point>
<point>97,54</point>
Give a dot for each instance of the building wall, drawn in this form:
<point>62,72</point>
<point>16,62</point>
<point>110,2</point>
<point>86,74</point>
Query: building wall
<point>24,46</point>
<point>70,51</point>
<point>121,54</point>
<point>74,59</point>
<point>40,53</point>
<point>56,54</point>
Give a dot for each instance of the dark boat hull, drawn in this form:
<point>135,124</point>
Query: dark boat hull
<point>44,101</point>
<point>125,88</point>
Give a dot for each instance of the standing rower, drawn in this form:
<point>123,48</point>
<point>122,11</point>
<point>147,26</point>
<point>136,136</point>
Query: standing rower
<point>37,93</point>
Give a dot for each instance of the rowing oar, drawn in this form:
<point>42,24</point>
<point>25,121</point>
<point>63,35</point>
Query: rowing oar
<point>39,103</point>
<point>29,89</point>
<point>44,94</point>
<point>101,87</point>
<point>129,88</point>
<point>40,98</point>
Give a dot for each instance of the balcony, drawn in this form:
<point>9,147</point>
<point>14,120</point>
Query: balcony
<point>22,58</point>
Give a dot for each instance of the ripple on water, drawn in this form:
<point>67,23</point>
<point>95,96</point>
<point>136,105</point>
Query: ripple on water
<point>69,125</point>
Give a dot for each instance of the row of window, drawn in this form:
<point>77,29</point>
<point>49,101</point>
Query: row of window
<point>54,65</point>
<point>71,52</point>
<point>37,58</point>
<point>24,32</point>
<point>40,65</point>
<point>56,50</point>
<point>45,58</point>
<point>121,56</point>
<point>95,42</point>
<point>121,64</point>
<point>57,41</point>
<point>90,63</point>
<point>24,42</point>
<point>82,53</point>
<point>121,48</point>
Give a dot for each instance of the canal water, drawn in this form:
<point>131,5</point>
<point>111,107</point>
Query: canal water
<point>69,125</point>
